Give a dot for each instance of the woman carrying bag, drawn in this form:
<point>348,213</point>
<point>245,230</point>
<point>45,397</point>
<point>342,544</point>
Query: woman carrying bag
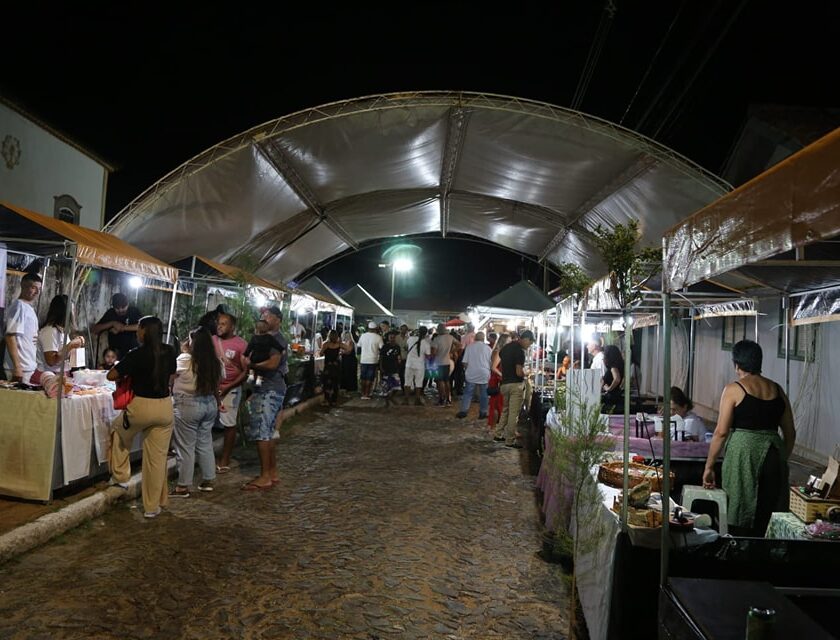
<point>195,397</point>
<point>151,367</point>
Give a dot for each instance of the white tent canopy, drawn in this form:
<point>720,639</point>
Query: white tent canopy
<point>528,176</point>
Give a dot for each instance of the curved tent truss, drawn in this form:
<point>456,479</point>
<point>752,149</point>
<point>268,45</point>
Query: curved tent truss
<point>529,176</point>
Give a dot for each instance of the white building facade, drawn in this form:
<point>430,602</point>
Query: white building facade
<point>42,171</point>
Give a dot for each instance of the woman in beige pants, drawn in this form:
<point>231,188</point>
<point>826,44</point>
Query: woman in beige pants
<point>151,367</point>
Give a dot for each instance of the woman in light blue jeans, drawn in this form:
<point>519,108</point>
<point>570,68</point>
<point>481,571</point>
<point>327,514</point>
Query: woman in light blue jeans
<point>196,407</point>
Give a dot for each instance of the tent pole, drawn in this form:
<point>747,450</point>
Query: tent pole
<point>654,384</point>
<point>171,311</point>
<point>689,383</point>
<point>67,316</point>
<point>666,435</point>
<point>786,312</point>
<point>628,332</point>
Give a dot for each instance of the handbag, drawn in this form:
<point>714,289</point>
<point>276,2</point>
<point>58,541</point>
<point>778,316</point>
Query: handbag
<point>123,394</point>
<point>494,390</point>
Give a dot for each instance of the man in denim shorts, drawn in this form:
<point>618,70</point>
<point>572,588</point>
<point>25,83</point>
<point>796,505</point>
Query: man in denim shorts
<point>267,403</point>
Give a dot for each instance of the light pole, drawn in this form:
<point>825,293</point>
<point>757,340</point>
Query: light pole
<point>399,264</point>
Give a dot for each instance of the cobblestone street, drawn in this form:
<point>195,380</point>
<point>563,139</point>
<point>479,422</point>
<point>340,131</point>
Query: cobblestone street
<point>399,523</point>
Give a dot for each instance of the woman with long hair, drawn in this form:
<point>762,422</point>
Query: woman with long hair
<point>497,403</point>
<point>612,382</point>
<point>753,409</point>
<point>195,395</point>
<point>331,350</point>
<point>349,361</point>
<point>150,367</point>
<point>51,347</point>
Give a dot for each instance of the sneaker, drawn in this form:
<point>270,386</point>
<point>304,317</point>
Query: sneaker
<point>114,483</point>
<point>482,416</point>
<point>498,439</point>
<point>179,492</point>
<point>152,514</point>
<point>460,414</point>
<point>207,485</point>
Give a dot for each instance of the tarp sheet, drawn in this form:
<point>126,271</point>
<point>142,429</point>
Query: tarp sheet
<point>363,303</point>
<point>792,204</point>
<point>523,296</point>
<point>532,177</point>
<point>93,248</point>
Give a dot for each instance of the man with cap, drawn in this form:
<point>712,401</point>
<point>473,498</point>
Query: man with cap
<point>267,401</point>
<point>120,321</point>
<point>370,344</point>
<point>512,364</point>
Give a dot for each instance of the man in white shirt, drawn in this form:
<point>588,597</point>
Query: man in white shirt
<point>370,344</point>
<point>20,361</point>
<point>594,349</point>
<point>298,331</point>
<point>477,362</point>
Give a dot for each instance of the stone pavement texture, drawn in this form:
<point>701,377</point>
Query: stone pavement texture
<point>387,523</point>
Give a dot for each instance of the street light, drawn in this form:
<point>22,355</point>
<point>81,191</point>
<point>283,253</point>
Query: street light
<point>399,264</point>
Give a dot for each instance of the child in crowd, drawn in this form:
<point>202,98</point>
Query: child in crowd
<point>259,349</point>
<point>109,359</point>
<point>389,363</point>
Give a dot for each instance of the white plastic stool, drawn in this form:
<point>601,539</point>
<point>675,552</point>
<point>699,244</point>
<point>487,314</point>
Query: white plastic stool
<point>692,492</point>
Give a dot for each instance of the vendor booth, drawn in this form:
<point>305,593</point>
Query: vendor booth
<point>48,443</point>
<point>775,235</point>
<point>365,306</point>
<point>245,292</point>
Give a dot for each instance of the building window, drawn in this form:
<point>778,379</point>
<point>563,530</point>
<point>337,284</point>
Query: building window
<point>734,329</point>
<point>66,209</point>
<point>803,340</point>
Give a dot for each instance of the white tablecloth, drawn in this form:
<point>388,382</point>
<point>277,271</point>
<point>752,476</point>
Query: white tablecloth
<point>85,422</point>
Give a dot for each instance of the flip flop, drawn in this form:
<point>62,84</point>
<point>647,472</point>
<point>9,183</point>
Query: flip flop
<point>222,469</point>
<point>275,481</point>
<point>256,487</point>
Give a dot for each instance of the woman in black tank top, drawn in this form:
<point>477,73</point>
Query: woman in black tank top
<point>752,411</point>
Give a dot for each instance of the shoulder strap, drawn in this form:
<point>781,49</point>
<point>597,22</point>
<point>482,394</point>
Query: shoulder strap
<point>742,387</point>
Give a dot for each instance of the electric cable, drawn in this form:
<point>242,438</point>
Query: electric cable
<point>594,53</point>
<point>680,100</point>
<point>652,61</point>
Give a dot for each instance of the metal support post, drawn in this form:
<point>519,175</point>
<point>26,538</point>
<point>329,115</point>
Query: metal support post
<point>666,435</point>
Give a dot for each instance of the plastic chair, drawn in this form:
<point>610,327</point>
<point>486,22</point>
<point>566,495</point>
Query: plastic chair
<point>692,492</point>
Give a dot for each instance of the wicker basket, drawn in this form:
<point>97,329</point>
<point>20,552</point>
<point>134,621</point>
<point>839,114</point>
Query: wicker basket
<point>809,509</point>
<point>612,474</point>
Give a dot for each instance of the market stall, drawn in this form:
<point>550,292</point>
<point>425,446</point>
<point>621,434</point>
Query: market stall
<point>48,443</point>
<point>245,293</point>
<point>768,233</point>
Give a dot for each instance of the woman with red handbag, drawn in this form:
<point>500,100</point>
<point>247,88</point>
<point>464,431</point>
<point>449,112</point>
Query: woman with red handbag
<point>151,367</point>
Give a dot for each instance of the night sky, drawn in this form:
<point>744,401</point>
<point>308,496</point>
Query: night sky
<point>146,88</point>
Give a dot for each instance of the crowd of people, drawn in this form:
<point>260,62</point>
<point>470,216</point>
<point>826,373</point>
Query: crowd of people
<point>178,398</point>
<point>446,363</point>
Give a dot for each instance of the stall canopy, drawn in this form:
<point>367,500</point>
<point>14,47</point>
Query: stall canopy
<point>318,287</point>
<point>522,298</point>
<point>363,303</point>
<point>755,235</point>
<point>528,176</point>
<point>21,227</point>
<point>210,269</point>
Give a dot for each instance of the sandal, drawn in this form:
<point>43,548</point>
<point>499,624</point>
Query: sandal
<point>224,469</point>
<point>250,486</point>
<point>180,492</point>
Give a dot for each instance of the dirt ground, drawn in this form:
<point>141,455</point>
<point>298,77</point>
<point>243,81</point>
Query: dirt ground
<point>397,523</point>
